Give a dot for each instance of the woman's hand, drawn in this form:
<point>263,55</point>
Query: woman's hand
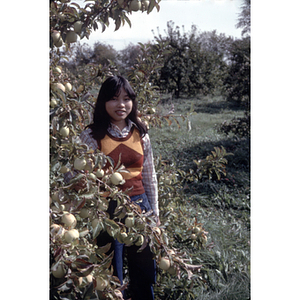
<point>157,221</point>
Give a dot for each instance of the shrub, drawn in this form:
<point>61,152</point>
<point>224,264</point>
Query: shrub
<point>237,126</point>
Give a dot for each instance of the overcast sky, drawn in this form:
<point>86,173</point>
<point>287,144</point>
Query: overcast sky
<point>208,15</point>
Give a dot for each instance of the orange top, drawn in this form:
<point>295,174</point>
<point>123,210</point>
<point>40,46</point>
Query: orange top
<point>132,157</point>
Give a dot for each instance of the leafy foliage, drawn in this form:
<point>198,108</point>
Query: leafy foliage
<point>148,62</point>
<point>94,14</point>
<point>191,65</point>
<point>223,206</point>
<point>237,82</point>
<point>213,164</point>
<point>79,207</point>
<point>127,57</point>
<point>188,236</point>
<point>238,126</point>
<point>244,20</point>
<point>191,62</point>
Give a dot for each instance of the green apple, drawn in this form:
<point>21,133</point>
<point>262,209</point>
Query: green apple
<point>71,235</point>
<point>53,103</point>
<point>84,213</point>
<point>164,263</point>
<point>129,222</point>
<point>64,131</point>
<point>79,163</point>
<point>59,271</point>
<point>71,37</point>
<point>140,240</point>
<point>64,169</point>
<point>116,178</point>
<point>55,36</point>
<point>68,87</point>
<point>59,43</point>
<point>135,5</point>
<point>101,284</point>
<point>99,173</point>
<point>59,86</point>
<point>77,26</point>
<point>69,219</point>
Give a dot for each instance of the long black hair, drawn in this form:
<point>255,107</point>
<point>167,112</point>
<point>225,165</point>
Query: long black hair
<point>112,87</point>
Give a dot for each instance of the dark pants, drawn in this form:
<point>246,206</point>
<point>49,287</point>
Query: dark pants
<point>141,265</point>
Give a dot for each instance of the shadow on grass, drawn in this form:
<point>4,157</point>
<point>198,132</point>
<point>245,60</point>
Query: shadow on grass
<point>216,107</point>
<point>205,104</point>
<point>239,147</point>
<point>237,169</point>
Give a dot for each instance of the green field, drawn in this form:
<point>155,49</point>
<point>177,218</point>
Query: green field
<point>223,206</point>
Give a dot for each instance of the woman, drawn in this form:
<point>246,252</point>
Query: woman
<point>116,130</point>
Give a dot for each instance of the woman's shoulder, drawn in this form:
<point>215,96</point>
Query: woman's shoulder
<point>86,133</point>
<point>146,137</point>
<point>132,125</point>
<point>86,137</point>
<point>146,143</point>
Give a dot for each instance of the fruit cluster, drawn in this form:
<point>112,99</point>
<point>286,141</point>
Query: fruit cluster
<point>134,5</point>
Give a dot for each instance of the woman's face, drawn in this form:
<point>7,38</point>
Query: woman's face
<point>118,108</point>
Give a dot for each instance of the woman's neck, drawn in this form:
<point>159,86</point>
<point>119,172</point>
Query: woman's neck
<point>121,125</point>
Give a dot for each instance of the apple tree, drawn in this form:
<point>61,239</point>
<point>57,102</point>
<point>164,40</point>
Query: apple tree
<point>79,268</point>
<point>238,81</point>
<point>190,67</point>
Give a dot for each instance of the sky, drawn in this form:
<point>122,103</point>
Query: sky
<point>207,15</point>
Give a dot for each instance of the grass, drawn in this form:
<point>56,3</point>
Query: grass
<point>223,206</point>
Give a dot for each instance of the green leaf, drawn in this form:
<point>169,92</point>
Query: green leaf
<point>127,20</point>
<point>84,233</point>
<point>103,249</point>
<point>75,4</point>
<point>110,160</point>
<point>103,26</point>
<point>111,223</point>
<point>90,195</point>
<point>82,264</point>
<point>168,120</point>
<point>177,122</point>
<point>85,272</point>
<point>95,26</point>
<point>106,263</point>
<point>117,23</point>
<point>62,96</point>
<point>101,160</point>
<point>80,204</point>
<point>77,178</point>
<point>66,286</point>
<point>97,229</point>
<point>119,161</point>
<point>88,292</point>
<point>151,6</point>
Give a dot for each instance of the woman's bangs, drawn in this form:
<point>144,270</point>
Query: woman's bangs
<point>112,87</point>
<point>128,89</point>
<point>130,93</point>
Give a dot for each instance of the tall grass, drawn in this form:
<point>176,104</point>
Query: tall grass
<point>223,206</point>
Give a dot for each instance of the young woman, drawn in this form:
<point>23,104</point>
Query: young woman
<point>117,130</point>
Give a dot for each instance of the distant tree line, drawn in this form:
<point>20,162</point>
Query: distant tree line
<point>193,62</point>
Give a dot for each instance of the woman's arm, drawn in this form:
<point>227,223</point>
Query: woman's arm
<point>149,176</point>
